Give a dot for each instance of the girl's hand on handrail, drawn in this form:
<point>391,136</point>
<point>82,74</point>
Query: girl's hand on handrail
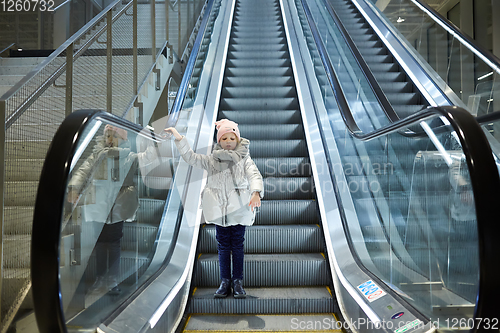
<point>172,131</point>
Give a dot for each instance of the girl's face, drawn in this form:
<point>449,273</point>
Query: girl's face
<point>112,138</point>
<point>228,141</point>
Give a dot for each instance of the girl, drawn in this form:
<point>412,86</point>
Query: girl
<point>234,188</point>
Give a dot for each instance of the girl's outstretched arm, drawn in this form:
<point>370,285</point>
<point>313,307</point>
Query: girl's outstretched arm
<point>197,160</point>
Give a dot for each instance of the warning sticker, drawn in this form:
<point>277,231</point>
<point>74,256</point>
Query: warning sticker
<point>371,291</point>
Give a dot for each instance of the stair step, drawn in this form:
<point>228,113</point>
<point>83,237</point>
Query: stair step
<point>266,300</point>
<point>325,322</point>
<point>297,269</point>
<point>276,239</point>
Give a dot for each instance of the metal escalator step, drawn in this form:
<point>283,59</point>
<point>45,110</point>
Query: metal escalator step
<point>266,300</point>
<point>256,47</point>
<point>403,98</point>
<point>288,188</point>
<point>396,87</point>
<point>199,323</point>
<point>406,110</point>
<point>266,117</point>
<point>258,54</point>
<point>289,103</point>
<point>271,132</point>
<point>258,81</point>
<point>362,38</point>
<point>378,58</point>
<point>281,212</point>
<point>258,63</point>
<point>264,72</point>
<point>384,68</point>
<point>251,34</point>
<point>137,236</point>
<point>284,166</point>
<point>244,25</point>
<point>257,29</point>
<point>287,148</point>
<point>258,92</point>
<point>270,239</point>
<point>297,269</point>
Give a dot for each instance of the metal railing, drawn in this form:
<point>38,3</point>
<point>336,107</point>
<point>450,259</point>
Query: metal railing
<point>102,66</point>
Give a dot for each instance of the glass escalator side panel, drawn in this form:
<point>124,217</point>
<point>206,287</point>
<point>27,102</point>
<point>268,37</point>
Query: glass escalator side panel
<point>116,193</point>
<point>365,107</point>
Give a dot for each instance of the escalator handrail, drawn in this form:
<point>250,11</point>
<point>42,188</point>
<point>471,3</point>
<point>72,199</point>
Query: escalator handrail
<point>485,179</point>
<point>188,72</point>
<point>379,94</point>
<point>470,43</point>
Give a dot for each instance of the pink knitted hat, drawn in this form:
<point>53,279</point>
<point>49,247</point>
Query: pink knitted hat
<point>120,131</point>
<point>226,126</point>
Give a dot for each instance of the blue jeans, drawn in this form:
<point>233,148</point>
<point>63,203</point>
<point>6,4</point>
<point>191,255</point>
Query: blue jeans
<point>230,240</point>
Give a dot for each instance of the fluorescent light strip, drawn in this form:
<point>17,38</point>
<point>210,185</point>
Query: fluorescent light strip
<point>84,144</point>
<point>485,76</point>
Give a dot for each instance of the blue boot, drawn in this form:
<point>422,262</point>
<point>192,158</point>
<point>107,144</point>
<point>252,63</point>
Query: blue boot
<point>224,289</point>
<point>238,291</point>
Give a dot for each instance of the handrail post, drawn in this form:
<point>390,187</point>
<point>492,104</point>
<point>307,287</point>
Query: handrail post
<point>179,52</point>
<point>188,16</point>
<point>3,111</point>
<point>69,79</point>
<point>153,30</point>
<point>135,55</point>
<point>167,20</point>
<point>109,64</point>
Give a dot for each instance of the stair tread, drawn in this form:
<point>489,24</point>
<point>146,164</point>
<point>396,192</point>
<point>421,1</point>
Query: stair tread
<point>261,323</point>
<point>270,257</point>
<point>290,293</point>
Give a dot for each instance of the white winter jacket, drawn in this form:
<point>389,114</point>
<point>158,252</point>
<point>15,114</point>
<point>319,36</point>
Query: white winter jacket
<point>111,172</point>
<point>232,178</point>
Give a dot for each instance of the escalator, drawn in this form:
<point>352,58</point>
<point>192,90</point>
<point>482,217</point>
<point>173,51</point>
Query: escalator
<point>320,251</point>
<point>401,92</point>
<point>285,270</point>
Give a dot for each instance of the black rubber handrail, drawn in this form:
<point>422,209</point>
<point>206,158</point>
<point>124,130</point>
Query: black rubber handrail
<point>483,172</point>
<point>378,92</point>
<point>188,72</point>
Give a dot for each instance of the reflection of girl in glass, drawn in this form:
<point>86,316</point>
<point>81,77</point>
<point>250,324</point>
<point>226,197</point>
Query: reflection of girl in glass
<point>113,167</point>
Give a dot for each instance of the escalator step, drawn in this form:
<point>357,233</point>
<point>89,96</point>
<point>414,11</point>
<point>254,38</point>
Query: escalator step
<point>284,166</point>
<point>270,239</point>
<point>266,117</point>
<point>281,212</point>
<point>268,132</point>
<point>266,300</point>
<point>262,323</point>
<point>288,148</point>
<point>297,269</point>
<point>288,103</point>
<point>289,188</point>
